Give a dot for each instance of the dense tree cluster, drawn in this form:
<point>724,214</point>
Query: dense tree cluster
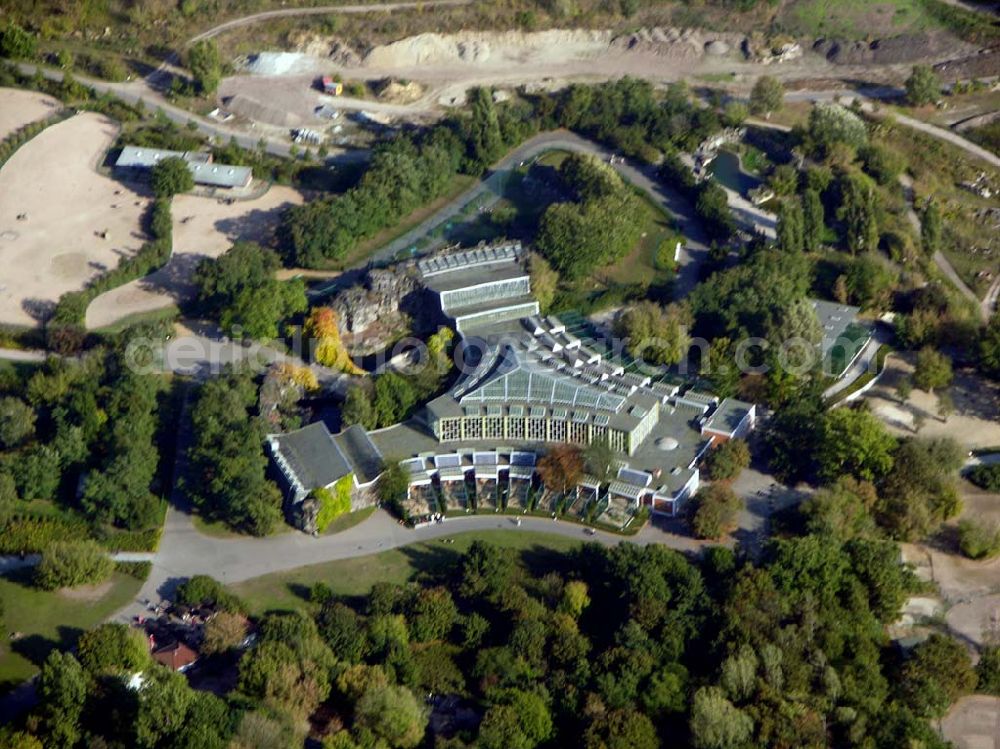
<point>627,115</point>
<point>83,433</point>
<point>600,647</point>
<point>404,173</point>
<point>240,291</point>
<point>908,487</point>
<point>600,226</point>
<point>227,479</point>
<point>656,334</point>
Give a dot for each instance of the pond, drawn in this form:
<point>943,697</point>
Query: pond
<point>727,170</point>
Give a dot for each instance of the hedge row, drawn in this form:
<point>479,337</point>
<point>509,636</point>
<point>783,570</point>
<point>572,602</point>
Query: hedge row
<point>71,309</point>
<point>33,534</point>
<point>10,144</point>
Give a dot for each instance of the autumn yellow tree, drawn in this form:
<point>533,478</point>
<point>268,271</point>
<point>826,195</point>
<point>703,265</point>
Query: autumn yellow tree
<point>321,326</point>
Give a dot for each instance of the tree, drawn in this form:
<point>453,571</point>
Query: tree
<point>843,509</point>
<point>870,281</point>
<point>322,327</point>
<point>521,720</point>
<point>937,673</point>
<point>203,590</point>
<point>561,468</point>
<point>392,484</point>
<point>600,461</point>
<point>855,443</point>
<point>725,462</point>
<point>932,370</point>
<point>946,405</point>
<point>62,691</point>
<point>17,421</point>
<point>113,648</point>
<point>657,335</point>
<point>223,632</point>
<point>393,714</point>
<point>734,114</point>
<point>432,614</point>
<point>923,86</point>
<point>717,508</point>
<point>920,490</point>
<point>66,564</point>
<point>832,124</point>
<point>621,729</point>
<point>767,96</point>
<point>358,408</point>
<point>574,598</point>
<point>813,221</point>
<point>163,703</point>
<point>486,570</point>
<point>239,289</point>
<point>206,67</point>
<point>395,396</point>
<point>716,723</point>
<point>171,176</point>
<point>791,226</point>
<point>858,211</point>
<point>931,227</point>
<point>544,281</point>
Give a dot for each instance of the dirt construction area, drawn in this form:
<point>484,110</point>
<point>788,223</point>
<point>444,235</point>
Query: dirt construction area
<point>61,222</point>
<point>973,723</point>
<point>19,108</point>
<point>975,422</point>
<point>203,227</point>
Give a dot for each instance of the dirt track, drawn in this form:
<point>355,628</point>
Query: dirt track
<point>19,107</point>
<point>203,227</point>
<point>52,183</point>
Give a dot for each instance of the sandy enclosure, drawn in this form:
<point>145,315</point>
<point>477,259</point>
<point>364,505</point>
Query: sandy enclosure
<point>61,222</point>
<point>18,108</point>
<point>203,227</point>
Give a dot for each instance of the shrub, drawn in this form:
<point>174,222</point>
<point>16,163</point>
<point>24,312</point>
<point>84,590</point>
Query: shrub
<point>986,477</point>
<point>725,462</point>
<point>203,590</point>
<point>67,564</point>
<point>333,504</point>
<point>139,570</point>
<point>29,534</point>
<point>978,540</point>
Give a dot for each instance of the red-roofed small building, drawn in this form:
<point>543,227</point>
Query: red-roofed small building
<point>176,656</point>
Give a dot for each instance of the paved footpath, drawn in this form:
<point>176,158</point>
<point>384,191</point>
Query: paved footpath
<point>184,551</point>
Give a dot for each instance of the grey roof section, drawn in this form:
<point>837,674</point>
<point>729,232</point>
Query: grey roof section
<point>462,278</point>
<point>474,258</point>
<point>728,416</point>
<point>361,453</point>
<point>312,455</point>
<point>834,318</point>
<point>203,171</point>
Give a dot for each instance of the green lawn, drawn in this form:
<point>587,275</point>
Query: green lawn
<point>855,19</point>
<point>353,577</point>
<point>349,520</point>
<point>48,620</point>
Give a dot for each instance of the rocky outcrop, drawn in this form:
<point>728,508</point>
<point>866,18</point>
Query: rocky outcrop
<point>385,294</point>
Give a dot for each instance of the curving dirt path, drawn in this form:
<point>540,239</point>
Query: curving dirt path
<point>320,10</point>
